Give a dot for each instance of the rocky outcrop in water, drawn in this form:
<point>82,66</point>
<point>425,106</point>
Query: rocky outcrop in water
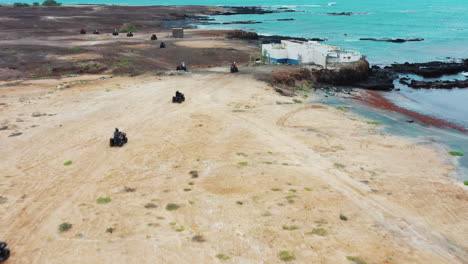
<point>433,69</point>
<point>435,84</point>
<point>250,10</point>
<point>347,75</point>
<point>397,40</point>
<point>378,79</point>
<point>277,39</point>
<point>347,13</point>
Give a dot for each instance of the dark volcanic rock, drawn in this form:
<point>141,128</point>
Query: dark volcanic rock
<point>438,84</point>
<point>433,69</point>
<point>241,34</point>
<point>379,79</point>
<point>285,19</point>
<point>348,75</point>
<point>347,13</point>
<point>242,22</point>
<point>277,39</point>
<point>249,10</point>
<point>398,40</point>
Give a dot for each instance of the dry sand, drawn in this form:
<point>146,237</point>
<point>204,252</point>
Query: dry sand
<point>261,166</point>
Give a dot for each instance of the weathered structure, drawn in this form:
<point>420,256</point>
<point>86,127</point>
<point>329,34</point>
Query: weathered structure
<point>308,52</point>
<point>178,32</point>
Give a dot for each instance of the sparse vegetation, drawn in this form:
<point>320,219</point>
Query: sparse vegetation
<point>285,164</point>
<point>180,229</point>
<point>222,256</point>
<point>194,174</point>
<point>172,206</point>
<point>307,90</point>
<point>317,231</point>
<point>456,153</point>
<point>308,189</point>
<point>268,162</point>
<point>356,260</point>
<point>103,200</point>
<point>198,238</point>
<point>343,217</point>
<point>51,3</point>
<point>339,165</point>
<point>241,154</point>
<point>21,5</point>
<point>284,255</point>
<point>64,227</point>
<point>151,206</point>
<point>110,230</point>
<point>297,101</point>
<point>291,227</point>
<point>373,123</point>
<point>128,28</point>
<point>342,108</point>
<point>465,182</point>
<point>243,163</point>
<point>68,163</point>
<point>291,196</point>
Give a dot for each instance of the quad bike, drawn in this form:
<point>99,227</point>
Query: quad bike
<point>129,34</point>
<point>119,139</point>
<point>153,37</point>
<point>181,68</point>
<point>115,33</point>
<point>82,31</point>
<point>178,98</point>
<point>234,68</point>
<point>4,252</point>
<point>162,45</point>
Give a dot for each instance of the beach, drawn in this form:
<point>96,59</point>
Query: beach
<point>237,173</point>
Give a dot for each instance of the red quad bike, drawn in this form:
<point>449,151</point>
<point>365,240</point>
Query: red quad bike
<point>4,252</point>
<point>119,139</point>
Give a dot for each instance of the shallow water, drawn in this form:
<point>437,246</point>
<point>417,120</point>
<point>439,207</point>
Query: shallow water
<point>394,123</point>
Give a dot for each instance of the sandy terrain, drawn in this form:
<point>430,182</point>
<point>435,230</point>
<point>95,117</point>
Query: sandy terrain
<point>262,168</point>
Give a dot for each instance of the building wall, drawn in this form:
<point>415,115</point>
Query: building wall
<point>308,53</point>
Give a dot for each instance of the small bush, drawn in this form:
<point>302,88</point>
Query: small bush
<point>68,163</point>
<point>21,5</point>
<point>373,123</point>
<point>180,229</point>
<point>308,189</point>
<point>103,200</point>
<point>64,227</point>
<point>456,153</point>
<point>51,3</point>
<point>172,207</point>
<point>465,182</point>
<point>291,227</point>
<point>356,260</point>
<point>339,165</point>
<point>198,238</point>
<point>286,256</point>
<point>297,101</point>
<point>342,108</point>
<point>128,28</point>
<point>241,154</point>
<point>243,163</point>
<point>318,231</point>
<point>194,174</point>
<point>268,162</point>
<point>343,217</point>
<point>222,256</point>
<point>110,230</point>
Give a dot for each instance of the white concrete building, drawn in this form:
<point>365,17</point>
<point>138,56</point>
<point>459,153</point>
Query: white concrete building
<point>310,52</point>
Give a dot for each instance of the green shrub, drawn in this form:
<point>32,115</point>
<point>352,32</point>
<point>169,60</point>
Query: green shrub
<point>297,101</point>
<point>342,108</point>
<point>291,227</point>
<point>110,230</point>
<point>51,3</point>
<point>286,256</point>
<point>68,163</point>
<point>21,5</point>
<point>103,200</point>
<point>343,217</point>
<point>222,256</point>
<point>465,182</point>
<point>172,207</point>
<point>456,153</point>
<point>308,189</point>
<point>356,260</point>
<point>128,28</point>
<point>64,227</point>
<point>318,231</point>
<point>373,123</point>
<point>243,163</point>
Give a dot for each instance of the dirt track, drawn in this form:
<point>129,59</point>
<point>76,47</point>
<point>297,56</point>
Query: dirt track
<point>400,203</point>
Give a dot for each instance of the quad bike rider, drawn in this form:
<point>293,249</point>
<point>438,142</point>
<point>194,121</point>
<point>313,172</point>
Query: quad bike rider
<point>182,67</point>
<point>115,33</point>
<point>178,98</point>
<point>234,67</point>
<point>129,34</point>
<point>82,31</point>
<point>119,139</point>
<point>4,252</point>
<point>153,37</point>
<point>162,45</point>
<point>96,32</point>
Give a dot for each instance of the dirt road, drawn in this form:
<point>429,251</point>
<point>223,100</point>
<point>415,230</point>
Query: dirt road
<point>250,175</point>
